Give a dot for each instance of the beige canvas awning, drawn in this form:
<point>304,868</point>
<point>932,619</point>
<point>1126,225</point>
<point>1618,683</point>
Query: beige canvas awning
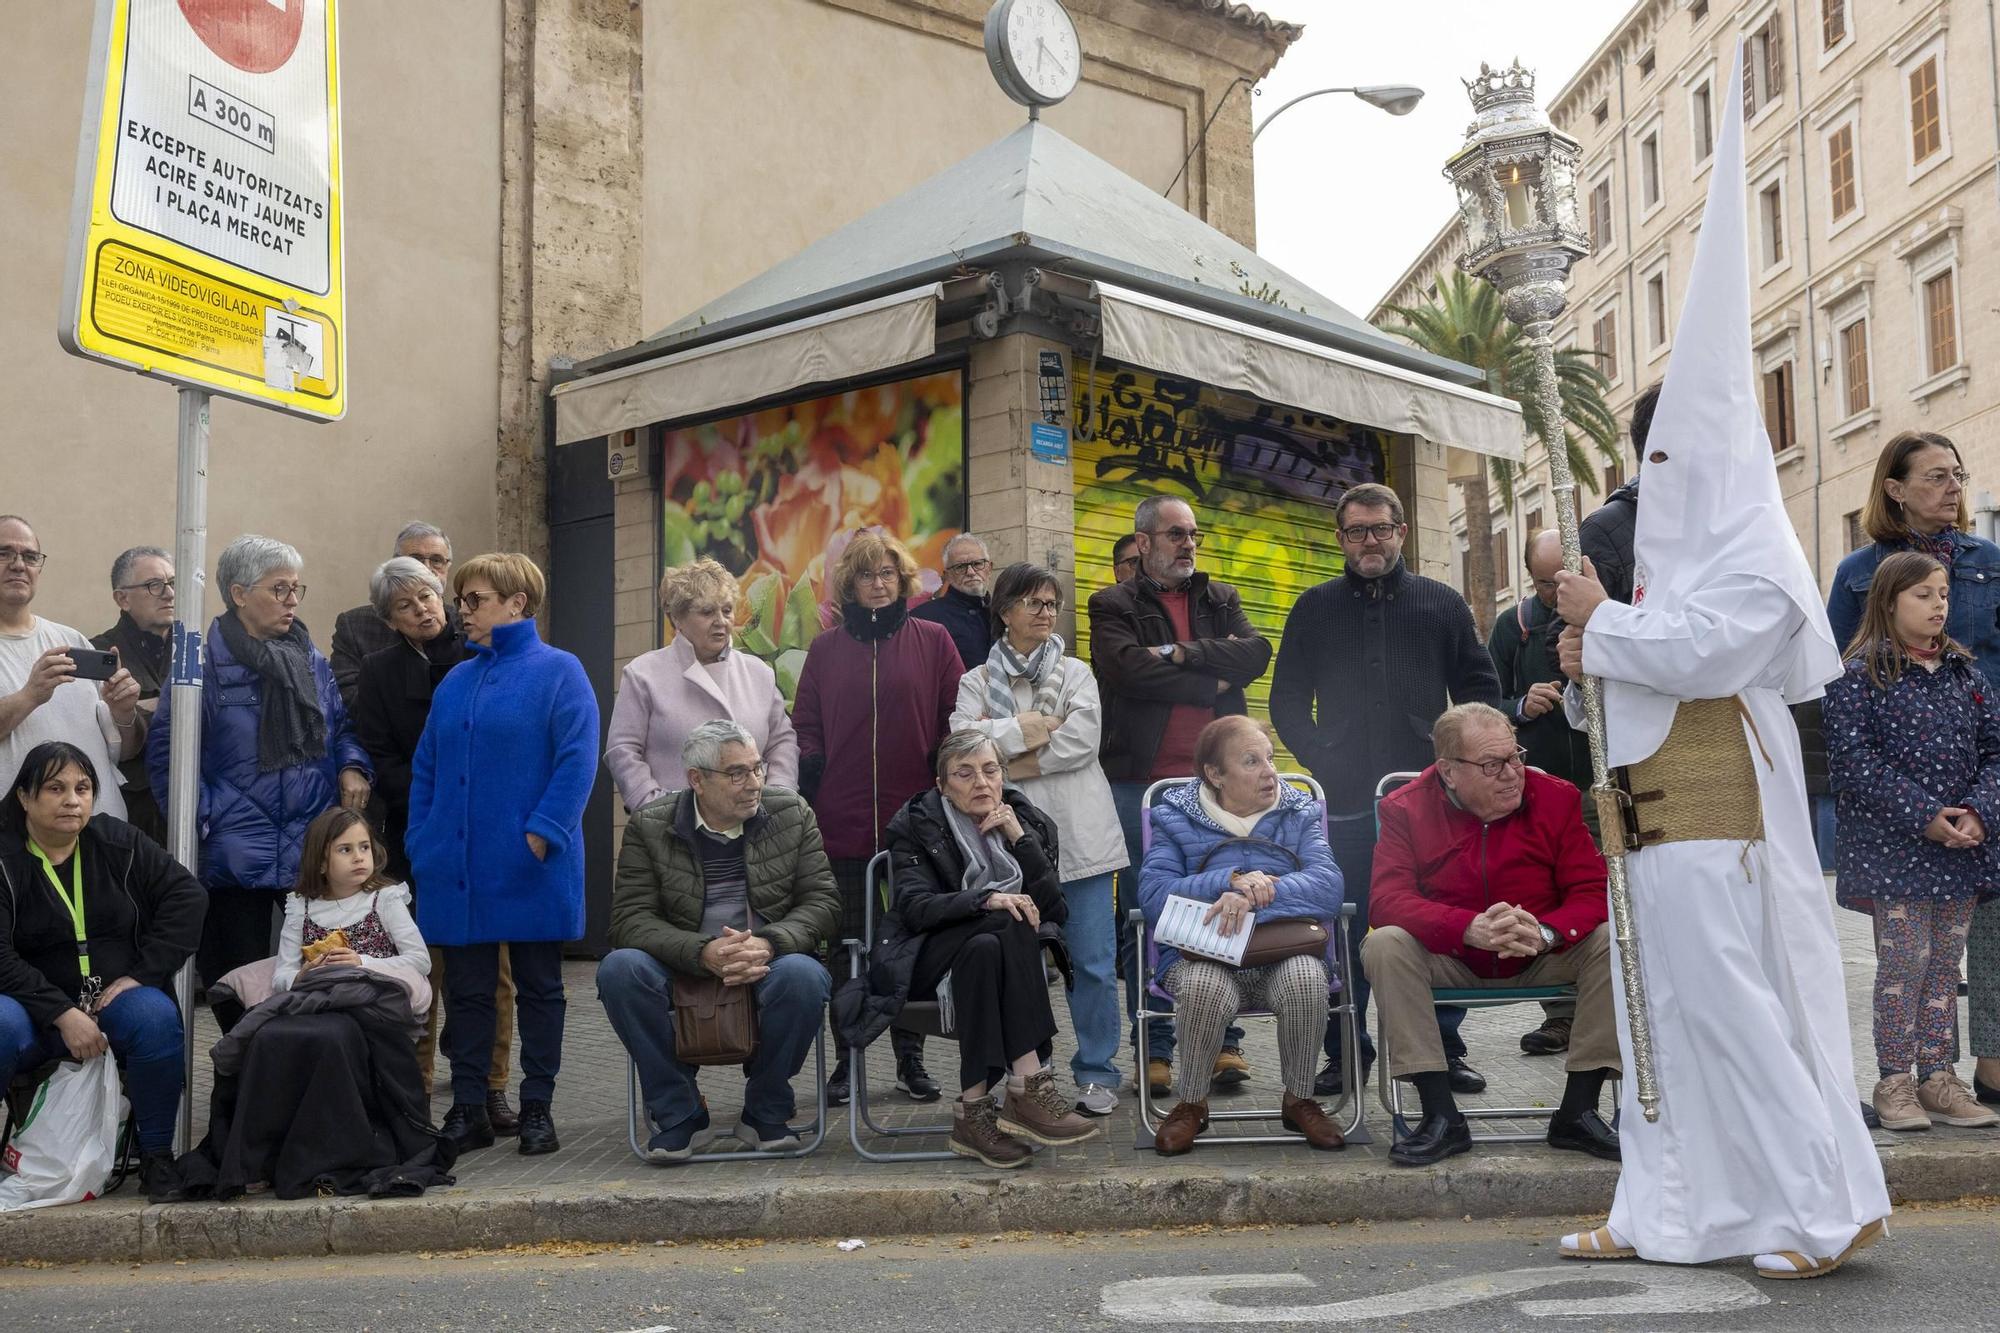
<point>862,339</point>
<point>1165,336</point>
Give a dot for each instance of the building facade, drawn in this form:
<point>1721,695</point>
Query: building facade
<point>1872,133</point>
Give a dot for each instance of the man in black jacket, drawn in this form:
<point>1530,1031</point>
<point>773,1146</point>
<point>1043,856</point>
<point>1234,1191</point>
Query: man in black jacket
<point>142,585</point>
<point>1606,533</point>
<point>961,607</point>
<point>1367,663</point>
<point>361,630</point>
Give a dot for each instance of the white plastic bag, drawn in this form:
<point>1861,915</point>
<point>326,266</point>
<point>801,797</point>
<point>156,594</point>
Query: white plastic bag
<point>62,1150</point>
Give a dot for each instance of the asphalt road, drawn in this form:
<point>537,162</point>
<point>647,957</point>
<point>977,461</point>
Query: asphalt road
<point>1939,1270</point>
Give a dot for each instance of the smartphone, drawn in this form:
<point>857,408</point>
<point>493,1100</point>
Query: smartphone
<point>94,665</point>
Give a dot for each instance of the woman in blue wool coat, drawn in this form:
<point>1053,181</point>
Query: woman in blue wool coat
<point>495,837</point>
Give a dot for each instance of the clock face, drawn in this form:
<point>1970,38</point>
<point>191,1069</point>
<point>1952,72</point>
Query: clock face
<point>1042,50</point>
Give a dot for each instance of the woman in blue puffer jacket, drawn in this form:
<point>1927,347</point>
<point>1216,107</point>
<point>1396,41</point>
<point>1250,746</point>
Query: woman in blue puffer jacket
<point>1243,840</point>
<point>276,751</point>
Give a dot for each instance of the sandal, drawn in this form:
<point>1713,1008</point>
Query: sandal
<point>1796,1265</point>
<point>1602,1243</point>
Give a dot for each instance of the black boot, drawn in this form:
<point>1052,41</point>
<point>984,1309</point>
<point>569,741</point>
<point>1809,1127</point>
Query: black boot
<point>505,1123</point>
<point>913,1079</point>
<point>467,1127</point>
<point>538,1129</point>
<point>159,1179</point>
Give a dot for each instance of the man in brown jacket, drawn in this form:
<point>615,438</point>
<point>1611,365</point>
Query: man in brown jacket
<point>1172,651</point>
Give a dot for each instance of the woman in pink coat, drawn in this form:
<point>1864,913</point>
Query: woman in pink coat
<point>697,678</point>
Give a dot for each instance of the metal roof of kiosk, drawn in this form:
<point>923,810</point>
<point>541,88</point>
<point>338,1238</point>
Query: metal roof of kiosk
<point>1034,225</point>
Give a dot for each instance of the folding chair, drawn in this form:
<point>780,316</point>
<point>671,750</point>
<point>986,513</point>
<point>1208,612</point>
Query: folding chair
<point>1146,958</point>
<point>810,1137</point>
<point>1479,997</point>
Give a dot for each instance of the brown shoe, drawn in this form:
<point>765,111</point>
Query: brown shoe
<point>1040,1113</point>
<point>1177,1132</point>
<point>505,1122</point>
<point>976,1133</point>
<point>1302,1115</point>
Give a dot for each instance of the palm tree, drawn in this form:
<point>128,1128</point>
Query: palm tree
<point>1465,322</point>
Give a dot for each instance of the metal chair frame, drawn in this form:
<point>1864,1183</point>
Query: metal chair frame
<point>811,1136</point>
<point>1150,1116</point>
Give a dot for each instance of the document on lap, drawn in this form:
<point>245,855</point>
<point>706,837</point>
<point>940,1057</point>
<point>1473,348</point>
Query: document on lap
<point>1182,927</point>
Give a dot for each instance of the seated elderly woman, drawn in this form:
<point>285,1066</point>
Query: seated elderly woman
<point>974,876</point>
<point>1241,839</point>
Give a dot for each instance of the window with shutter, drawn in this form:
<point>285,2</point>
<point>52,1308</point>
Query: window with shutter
<point>1926,125</point>
<point>1832,23</point>
<point>1840,170</point>
<point>1778,422</point>
<point>1854,367</point>
<point>1941,322</point>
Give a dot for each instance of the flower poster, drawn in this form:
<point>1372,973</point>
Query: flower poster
<point>775,496</point>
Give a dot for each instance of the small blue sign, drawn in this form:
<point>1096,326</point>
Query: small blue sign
<point>1049,443</point>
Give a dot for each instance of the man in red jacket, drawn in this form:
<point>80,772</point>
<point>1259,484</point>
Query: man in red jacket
<point>1486,876</point>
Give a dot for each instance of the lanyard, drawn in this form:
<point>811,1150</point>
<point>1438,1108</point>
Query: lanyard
<point>74,897</point>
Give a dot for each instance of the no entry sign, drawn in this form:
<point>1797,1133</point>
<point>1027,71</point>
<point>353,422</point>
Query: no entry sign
<point>206,243</point>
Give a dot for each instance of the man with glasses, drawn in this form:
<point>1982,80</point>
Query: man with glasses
<point>361,630</point>
<point>1172,651</point>
<point>961,606</point>
<point>1368,662</point>
<point>1125,558</point>
<point>41,698</point>
<point>726,880</point>
<point>1485,876</point>
<point>142,586</point>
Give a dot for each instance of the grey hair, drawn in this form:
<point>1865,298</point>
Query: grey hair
<point>703,746</point>
<point>392,578</point>
<point>413,531</point>
<point>121,568</point>
<point>249,558</point>
<point>1448,732</point>
<point>965,539</point>
<point>1148,511</point>
<point>962,744</point>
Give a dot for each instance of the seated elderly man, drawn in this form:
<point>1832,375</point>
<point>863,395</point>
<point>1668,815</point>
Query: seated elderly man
<point>725,879</point>
<point>1485,876</point>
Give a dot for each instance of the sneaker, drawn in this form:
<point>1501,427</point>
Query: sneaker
<point>467,1127</point>
<point>766,1135</point>
<point>160,1180</point>
<point>1230,1068</point>
<point>912,1078</point>
<point>690,1136</point>
<point>1040,1113</point>
<point>1896,1104</point>
<point>538,1129</point>
<point>1096,1099</point>
<point>1551,1038</point>
<point>976,1133</point>
<point>837,1093</point>
<point>1160,1077</point>
<point>1950,1102</point>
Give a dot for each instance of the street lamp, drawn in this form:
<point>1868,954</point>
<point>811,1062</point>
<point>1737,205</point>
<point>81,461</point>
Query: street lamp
<point>1516,180</point>
<point>1398,99</point>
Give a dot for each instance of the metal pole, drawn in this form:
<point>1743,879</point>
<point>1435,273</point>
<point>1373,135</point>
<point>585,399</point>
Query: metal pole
<point>184,772</point>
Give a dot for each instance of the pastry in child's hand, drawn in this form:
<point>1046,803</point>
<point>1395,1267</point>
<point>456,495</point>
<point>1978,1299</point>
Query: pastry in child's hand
<point>334,939</point>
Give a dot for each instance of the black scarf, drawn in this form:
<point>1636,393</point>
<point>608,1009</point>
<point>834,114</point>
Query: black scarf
<point>291,729</point>
<point>869,626</point>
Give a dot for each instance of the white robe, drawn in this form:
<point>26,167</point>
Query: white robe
<point>1760,1144</point>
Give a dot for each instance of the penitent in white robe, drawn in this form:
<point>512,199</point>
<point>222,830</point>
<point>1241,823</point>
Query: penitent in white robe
<point>1760,1144</point>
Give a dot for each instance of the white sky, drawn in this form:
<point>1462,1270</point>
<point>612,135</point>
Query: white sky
<point>1348,196</point>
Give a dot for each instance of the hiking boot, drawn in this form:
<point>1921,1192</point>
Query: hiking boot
<point>1160,1077</point>
<point>975,1132</point>
<point>1950,1102</point>
<point>1302,1115</point>
<point>538,1129</point>
<point>160,1180</point>
<point>1551,1038</point>
<point>500,1115</point>
<point>1040,1113</point>
<point>1177,1132</point>
<point>912,1078</point>
<point>1230,1068</point>
<point>1896,1104</point>
<point>467,1127</point>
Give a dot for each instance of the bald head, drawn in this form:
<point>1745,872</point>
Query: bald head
<point>1545,558</point>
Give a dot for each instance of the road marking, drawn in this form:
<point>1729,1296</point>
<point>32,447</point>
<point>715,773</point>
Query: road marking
<point>1661,1291</point>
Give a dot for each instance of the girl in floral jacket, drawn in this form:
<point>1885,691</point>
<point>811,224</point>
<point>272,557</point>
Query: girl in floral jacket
<point>1913,746</point>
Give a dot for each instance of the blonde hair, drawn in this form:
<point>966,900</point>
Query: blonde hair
<point>507,573</point>
<point>703,580</point>
<point>868,550</point>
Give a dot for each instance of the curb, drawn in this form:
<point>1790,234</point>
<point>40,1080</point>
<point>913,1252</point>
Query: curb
<point>682,1206</point>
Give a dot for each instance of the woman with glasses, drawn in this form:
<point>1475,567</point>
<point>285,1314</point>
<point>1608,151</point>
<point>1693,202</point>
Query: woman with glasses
<point>277,749</point>
<point>874,699</point>
<point>699,677</point>
<point>495,840</point>
<point>1040,710</point>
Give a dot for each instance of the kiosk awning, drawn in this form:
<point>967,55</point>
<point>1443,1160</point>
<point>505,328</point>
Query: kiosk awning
<point>889,331</point>
<point>1211,349</point>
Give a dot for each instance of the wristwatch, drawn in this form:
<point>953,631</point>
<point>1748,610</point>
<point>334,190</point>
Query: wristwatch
<point>1549,939</point>
<point>1166,650</point>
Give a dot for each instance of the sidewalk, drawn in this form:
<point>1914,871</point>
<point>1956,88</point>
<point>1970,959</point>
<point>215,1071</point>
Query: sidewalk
<point>596,1190</point>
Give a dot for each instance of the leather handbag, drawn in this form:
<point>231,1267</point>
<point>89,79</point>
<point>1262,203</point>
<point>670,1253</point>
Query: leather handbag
<point>714,1024</point>
<point>1287,937</point>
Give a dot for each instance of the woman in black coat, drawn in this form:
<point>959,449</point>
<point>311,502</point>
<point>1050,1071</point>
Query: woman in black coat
<point>973,868</point>
<point>75,991</point>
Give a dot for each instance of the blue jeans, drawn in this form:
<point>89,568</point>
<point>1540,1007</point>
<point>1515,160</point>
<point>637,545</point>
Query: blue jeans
<point>1352,841</point>
<point>144,1029</point>
<point>637,992</point>
<point>1092,939</point>
<point>471,979</point>
<point>1126,798</point>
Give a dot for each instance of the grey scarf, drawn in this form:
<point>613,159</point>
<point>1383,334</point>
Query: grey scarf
<point>989,866</point>
<point>1043,669</point>
<point>291,729</point>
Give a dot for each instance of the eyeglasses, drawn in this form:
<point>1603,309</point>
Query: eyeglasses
<point>967,566</point>
<point>1545,585</point>
<point>1380,532</point>
<point>1041,606</point>
<point>1123,561</point>
<point>1940,476</point>
<point>969,774</point>
<point>32,559</point>
<point>886,574</point>
<point>286,592</point>
<point>472,601</point>
<point>1492,768</point>
<point>1179,536</point>
<point>739,775</point>
<point>157,587</point>
<point>438,562</point>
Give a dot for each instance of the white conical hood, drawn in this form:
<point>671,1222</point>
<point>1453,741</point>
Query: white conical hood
<point>1709,504</point>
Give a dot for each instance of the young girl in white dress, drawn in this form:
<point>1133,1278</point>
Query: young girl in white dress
<point>342,888</point>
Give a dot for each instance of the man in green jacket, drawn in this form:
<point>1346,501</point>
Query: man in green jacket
<point>724,880</point>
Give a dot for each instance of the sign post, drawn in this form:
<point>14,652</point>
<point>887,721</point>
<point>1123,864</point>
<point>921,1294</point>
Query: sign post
<point>206,250</point>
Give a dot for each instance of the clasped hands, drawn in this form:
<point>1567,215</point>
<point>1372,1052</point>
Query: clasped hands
<point>1511,932</point>
<point>1956,827</point>
<point>738,957</point>
<point>1248,890</point>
